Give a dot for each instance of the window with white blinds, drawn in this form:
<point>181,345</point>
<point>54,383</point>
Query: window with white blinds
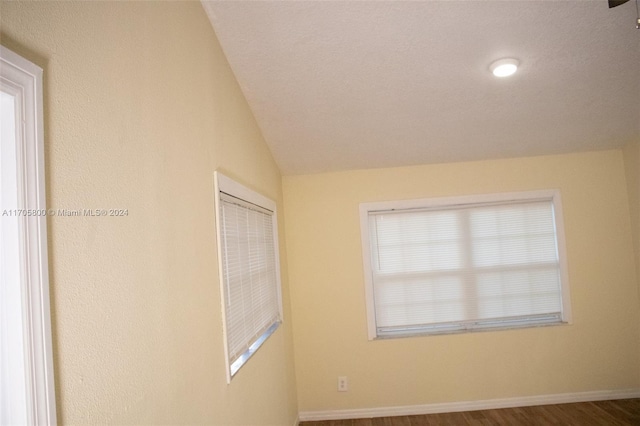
<point>464,264</point>
<point>249,271</point>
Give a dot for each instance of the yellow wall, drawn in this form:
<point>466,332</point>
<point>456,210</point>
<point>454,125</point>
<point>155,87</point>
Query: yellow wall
<point>597,352</point>
<point>140,108</point>
<point>631,153</point>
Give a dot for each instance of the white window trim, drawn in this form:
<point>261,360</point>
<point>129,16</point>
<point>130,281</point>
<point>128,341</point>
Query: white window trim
<point>229,186</point>
<point>365,208</point>
<point>18,72</point>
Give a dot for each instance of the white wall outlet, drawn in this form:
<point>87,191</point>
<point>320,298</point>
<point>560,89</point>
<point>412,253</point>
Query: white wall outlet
<point>343,384</point>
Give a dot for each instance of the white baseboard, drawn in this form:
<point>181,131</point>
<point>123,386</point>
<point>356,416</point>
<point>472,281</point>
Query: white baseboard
<point>487,404</point>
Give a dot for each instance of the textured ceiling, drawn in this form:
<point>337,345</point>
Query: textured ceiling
<point>364,84</point>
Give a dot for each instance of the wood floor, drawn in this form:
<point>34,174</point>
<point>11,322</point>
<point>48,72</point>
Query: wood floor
<point>605,413</point>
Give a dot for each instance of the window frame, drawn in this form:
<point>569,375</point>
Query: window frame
<point>456,201</point>
<point>226,185</point>
<point>19,73</point>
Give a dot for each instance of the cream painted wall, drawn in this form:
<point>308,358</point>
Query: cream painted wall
<point>140,108</point>
<point>599,351</point>
<point>631,154</point>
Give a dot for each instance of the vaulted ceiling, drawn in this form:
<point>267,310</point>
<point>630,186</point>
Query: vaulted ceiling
<point>337,85</point>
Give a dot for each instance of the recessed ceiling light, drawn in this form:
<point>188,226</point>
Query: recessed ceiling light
<point>504,67</point>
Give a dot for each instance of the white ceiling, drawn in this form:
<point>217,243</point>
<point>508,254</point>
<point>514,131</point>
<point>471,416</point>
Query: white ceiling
<point>337,85</point>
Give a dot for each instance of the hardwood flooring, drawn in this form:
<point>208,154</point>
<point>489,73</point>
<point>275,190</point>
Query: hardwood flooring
<point>601,413</point>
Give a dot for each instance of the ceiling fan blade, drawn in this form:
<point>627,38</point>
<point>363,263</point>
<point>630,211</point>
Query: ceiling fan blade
<point>614,3</point>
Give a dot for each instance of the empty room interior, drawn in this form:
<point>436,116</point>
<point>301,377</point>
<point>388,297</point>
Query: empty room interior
<point>437,237</point>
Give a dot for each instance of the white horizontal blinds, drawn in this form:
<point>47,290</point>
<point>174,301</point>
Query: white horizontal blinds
<point>516,261</point>
<point>249,262</point>
<point>464,267</point>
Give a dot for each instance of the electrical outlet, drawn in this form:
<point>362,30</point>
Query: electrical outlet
<point>343,385</point>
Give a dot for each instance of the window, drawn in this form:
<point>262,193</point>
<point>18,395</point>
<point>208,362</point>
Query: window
<point>249,270</point>
<point>26,365</point>
<point>461,264</point>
